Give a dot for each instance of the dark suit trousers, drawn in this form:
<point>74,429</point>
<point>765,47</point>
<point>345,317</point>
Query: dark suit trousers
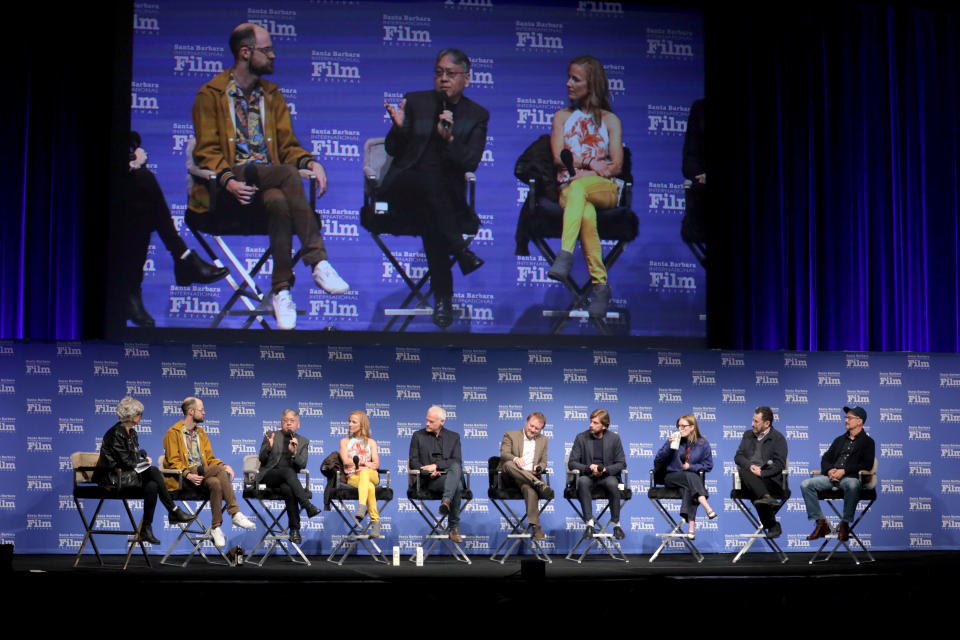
<point>285,480</point>
<point>756,487</point>
<point>691,487</point>
<point>426,199</point>
<point>585,485</point>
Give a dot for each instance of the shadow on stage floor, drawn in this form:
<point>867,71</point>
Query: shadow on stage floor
<point>895,579</point>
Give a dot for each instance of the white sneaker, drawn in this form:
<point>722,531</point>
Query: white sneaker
<point>284,310</point>
<point>218,539</point>
<point>328,279</point>
<point>242,521</point>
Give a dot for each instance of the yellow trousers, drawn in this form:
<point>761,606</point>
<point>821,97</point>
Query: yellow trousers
<point>580,219</point>
<point>366,480</point>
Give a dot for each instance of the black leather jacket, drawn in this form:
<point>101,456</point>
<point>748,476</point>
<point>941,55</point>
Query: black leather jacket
<point>119,450</point>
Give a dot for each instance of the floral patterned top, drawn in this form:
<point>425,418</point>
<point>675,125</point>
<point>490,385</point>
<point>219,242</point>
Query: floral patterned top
<point>583,138</point>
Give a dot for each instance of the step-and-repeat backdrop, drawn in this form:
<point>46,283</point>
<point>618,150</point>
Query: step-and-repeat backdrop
<point>59,398</point>
<point>337,61</point>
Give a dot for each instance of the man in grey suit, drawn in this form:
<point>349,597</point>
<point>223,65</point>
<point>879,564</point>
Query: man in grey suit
<point>283,454</point>
<point>598,455</point>
<point>523,457</point>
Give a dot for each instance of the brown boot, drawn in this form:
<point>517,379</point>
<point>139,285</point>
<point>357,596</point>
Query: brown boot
<point>843,533</point>
<point>822,529</point>
<point>455,536</point>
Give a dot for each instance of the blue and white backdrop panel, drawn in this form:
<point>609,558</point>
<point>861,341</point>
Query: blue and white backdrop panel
<point>56,398</point>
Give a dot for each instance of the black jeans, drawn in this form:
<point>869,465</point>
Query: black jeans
<point>145,210</point>
<point>153,486</point>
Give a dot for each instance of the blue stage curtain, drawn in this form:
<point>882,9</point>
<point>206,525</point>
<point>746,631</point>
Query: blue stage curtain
<point>65,109</point>
<point>834,134</point>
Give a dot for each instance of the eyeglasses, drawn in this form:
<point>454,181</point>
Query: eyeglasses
<point>264,50</point>
<point>684,426</point>
<point>447,73</point>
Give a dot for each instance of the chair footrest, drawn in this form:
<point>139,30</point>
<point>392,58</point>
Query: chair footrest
<point>423,311</point>
<point>684,536</point>
<point>577,313</point>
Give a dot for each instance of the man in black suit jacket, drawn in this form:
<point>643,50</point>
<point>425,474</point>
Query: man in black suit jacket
<point>436,137</point>
<point>283,454</point>
<point>598,455</point>
<point>762,457</point>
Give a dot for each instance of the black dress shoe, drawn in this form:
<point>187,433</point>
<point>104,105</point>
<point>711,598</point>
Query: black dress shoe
<point>177,516</point>
<point>312,510</point>
<point>618,532</point>
<point>443,311</point>
<point>774,531</point>
<point>295,536</point>
<point>137,313</point>
<point>468,261</point>
<point>146,534</point>
<point>444,508</point>
<point>193,269</point>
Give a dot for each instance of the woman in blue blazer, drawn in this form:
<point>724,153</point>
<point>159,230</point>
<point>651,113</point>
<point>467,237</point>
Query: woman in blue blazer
<point>685,454</point>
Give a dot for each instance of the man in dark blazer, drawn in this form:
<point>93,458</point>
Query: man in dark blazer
<point>598,455</point>
<point>283,454</point>
<point>435,451</point>
<point>762,457</point>
<point>437,136</point>
<point>523,457</point>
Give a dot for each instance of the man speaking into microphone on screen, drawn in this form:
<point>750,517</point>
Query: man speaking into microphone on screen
<point>437,136</point>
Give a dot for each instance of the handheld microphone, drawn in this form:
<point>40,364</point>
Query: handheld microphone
<point>356,462</point>
<point>567,159</point>
<point>443,107</point>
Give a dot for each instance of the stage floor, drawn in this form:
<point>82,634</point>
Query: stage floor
<point>595,567</point>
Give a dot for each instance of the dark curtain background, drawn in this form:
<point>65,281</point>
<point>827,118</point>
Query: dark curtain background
<point>65,110</point>
<point>834,161</point>
<point>834,134</point>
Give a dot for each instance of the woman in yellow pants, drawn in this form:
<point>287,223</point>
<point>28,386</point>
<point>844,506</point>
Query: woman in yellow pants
<point>592,137</point>
<point>358,452</point>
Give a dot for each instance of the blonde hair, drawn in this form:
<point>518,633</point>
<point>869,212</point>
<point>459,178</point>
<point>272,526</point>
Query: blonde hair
<point>364,424</point>
<point>598,88</point>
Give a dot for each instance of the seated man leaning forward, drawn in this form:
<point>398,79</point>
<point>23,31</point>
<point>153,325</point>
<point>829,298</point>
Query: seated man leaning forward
<point>283,454</point>
<point>244,135</point>
<point>598,455</point>
<point>840,466</point>
<point>523,457</point>
<point>437,136</point>
<point>435,451</point>
<point>761,458</point>
<point>187,449</point>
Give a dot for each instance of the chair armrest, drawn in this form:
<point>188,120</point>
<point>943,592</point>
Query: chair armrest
<point>173,473</point>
